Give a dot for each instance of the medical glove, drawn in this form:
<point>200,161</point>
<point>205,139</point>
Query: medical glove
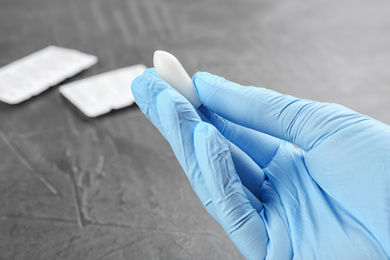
<point>327,197</point>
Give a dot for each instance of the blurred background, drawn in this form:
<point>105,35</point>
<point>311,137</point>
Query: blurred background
<point>110,187</point>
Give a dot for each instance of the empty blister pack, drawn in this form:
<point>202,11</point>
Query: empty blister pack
<point>33,74</point>
<point>100,94</point>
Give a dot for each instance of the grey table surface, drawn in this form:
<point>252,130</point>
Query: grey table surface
<point>110,187</point>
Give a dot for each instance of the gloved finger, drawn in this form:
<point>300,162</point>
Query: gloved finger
<point>302,122</point>
<point>251,175</point>
<point>255,202</point>
<point>259,146</point>
<point>150,71</point>
<point>145,89</point>
<point>236,215</point>
<point>179,118</point>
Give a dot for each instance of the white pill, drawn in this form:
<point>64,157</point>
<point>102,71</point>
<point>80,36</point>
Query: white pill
<point>169,69</point>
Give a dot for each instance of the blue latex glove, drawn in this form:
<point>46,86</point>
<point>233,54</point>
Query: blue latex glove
<point>330,200</point>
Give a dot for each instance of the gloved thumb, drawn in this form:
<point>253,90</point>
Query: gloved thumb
<point>302,122</point>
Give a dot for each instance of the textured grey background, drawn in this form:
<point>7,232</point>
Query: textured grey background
<point>110,187</point>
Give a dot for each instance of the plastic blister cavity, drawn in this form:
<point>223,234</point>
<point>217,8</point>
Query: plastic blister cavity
<point>33,74</point>
<point>99,94</point>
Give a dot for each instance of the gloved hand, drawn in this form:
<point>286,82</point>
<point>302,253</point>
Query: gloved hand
<point>328,200</point>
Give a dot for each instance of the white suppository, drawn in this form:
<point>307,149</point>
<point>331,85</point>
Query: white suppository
<point>169,69</point>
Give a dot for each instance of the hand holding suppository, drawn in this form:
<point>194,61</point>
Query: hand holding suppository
<point>328,200</point>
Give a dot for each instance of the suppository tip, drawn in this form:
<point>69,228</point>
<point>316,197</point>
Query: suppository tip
<point>169,69</point>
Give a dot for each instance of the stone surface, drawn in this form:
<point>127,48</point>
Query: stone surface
<point>110,187</point>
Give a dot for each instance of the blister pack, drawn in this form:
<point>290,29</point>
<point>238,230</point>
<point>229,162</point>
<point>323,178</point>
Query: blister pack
<point>33,74</point>
<point>99,94</point>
